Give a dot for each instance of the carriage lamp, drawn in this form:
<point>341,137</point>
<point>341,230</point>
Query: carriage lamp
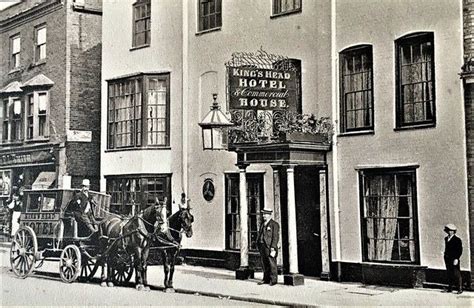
<point>213,127</point>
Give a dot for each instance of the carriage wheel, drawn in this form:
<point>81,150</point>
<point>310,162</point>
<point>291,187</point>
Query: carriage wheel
<point>89,267</point>
<point>122,273</point>
<point>23,251</point>
<point>70,263</point>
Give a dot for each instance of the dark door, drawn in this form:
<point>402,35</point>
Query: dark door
<point>308,220</point>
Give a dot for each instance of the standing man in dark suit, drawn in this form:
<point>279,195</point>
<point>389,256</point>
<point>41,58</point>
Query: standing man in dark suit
<point>268,246</point>
<point>452,253</point>
<point>83,210</point>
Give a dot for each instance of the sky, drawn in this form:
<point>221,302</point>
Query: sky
<point>4,4</point>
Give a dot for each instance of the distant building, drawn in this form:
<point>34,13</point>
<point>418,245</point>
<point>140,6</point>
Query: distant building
<point>369,207</point>
<point>50,93</point>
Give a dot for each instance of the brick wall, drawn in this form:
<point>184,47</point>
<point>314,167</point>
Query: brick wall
<point>468,11</point>
<point>85,36</point>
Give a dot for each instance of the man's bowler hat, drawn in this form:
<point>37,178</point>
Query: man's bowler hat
<point>450,227</point>
<point>266,211</point>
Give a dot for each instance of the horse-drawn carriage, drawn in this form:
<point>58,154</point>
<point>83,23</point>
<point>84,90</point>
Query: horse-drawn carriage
<point>49,231</point>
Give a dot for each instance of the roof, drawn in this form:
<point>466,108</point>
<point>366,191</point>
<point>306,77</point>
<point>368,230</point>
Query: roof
<point>12,87</point>
<point>38,81</point>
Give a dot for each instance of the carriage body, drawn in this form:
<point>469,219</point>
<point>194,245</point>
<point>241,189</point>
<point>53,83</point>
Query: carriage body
<point>49,231</point>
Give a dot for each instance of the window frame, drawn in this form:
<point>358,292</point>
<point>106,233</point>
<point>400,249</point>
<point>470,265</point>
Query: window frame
<point>277,8</point>
<point>15,58</point>
<point>37,45</point>
<point>201,16</point>
<point>12,124</point>
<point>119,206</point>
<point>36,117</point>
<point>146,19</point>
<point>139,132</point>
<point>407,40</point>
<point>231,231</point>
<point>344,54</point>
<point>365,173</point>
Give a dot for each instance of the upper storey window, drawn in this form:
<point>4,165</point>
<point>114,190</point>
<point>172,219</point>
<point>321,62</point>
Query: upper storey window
<point>286,6</point>
<point>357,106</point>
<point>138,112</point>
<point>210,14</point>
<point>141,23</point>
<point>12,119</point>
<point>15,47</point>
<point>415,80</point>
<point>40,43</point>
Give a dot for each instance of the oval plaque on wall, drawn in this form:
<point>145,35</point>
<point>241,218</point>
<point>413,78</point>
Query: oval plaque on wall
<point>208,190</point>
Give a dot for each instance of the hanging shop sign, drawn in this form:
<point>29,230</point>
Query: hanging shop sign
<point>262,89</point>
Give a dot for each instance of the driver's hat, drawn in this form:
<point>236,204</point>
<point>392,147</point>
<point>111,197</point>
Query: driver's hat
<point>86,182</point>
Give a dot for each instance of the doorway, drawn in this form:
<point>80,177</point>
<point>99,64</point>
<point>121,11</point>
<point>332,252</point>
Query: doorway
<point>308,220</point>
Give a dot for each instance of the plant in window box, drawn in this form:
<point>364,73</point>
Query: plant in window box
<point>305,128</point>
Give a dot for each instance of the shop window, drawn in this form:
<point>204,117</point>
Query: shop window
<point>5,183</point>
<point>37,115</point>
<point>12,120</point>
<point>415,80</point>
<point>210,14</point>
<point>286,6</point>
<point>389,216</point>
<point>15,47</point>
<point>40,43</point>
<point>138,191</point>
<point>141,23</point>
<point>357,107</point>
<point>138,104</point>
<point>255,201</point>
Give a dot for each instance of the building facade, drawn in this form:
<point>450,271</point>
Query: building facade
<point>368,203</point>
<point>50,94</point>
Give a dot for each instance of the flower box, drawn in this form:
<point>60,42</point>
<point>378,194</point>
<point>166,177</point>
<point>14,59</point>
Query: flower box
<point>301,137</point>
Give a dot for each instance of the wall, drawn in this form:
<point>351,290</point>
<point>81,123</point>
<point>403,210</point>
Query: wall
<point>163,55</point>
<point>439,151</point>
<point>247,26</point>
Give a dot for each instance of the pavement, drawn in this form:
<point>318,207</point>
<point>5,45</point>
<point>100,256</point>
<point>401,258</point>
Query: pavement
<point>221,283</point>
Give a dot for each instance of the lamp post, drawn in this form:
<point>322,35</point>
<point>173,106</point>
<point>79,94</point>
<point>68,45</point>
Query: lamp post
<point>213,126</point>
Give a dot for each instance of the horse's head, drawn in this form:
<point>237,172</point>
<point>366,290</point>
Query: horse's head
<point>186,220</point>
<point>161,222</point>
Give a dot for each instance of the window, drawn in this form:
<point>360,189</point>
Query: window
<point>15,47</point>
<point>37,115</point>
<point>389,219</point>
<point>141,23</point>
<point>255,200</point>
<point>286,6</point>
<point>357,108</point>
<point>139,190</point>
<point>40,46</point>
<point>210,14</point>
<point>415,80</point>
<point>5,183</point>
<point>138,104</point>
<point>12,120</point>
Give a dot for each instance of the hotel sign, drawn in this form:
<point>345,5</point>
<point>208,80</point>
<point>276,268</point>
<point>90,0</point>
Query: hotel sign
<point>26,158</point>
<point>262,89</point>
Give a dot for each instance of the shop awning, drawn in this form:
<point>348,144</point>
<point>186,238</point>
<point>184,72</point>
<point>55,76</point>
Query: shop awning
<point>44,180</point>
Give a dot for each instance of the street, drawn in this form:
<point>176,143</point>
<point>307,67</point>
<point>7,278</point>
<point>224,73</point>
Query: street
<point>50,291</point>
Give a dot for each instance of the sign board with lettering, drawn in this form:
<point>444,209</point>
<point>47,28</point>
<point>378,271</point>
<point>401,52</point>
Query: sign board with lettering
<point>79,135</point>
<point>262,89</point>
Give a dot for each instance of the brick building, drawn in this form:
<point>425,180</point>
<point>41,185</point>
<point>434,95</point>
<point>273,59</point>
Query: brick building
<point>50,58</point>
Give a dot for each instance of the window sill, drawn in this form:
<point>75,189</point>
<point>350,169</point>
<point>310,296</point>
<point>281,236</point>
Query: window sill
<point>208,30</point>
<point>11,143</point>
<point>139,149</point>
<point>15,70</point>
<point>286,13</point>
<point>40,62</point>
<point>416,126</point>
<point>37,140</point>
<point>356,133</point>
<point>139,47</point>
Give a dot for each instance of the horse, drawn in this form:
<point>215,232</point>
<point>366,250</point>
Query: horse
<point>169,241</point>
<point>130,237</point>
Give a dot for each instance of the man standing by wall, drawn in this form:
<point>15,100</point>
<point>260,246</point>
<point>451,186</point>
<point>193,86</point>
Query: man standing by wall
<point>452,253</point>
<point>268,246</point>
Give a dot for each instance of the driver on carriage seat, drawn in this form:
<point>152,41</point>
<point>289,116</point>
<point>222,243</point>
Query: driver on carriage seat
<point>83,211</point>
